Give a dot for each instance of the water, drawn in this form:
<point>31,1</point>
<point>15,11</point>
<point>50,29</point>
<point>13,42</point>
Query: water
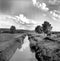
<point>24,54</point>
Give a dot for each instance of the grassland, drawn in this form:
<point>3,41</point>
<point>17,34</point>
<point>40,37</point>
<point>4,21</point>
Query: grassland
<point>9,42</point>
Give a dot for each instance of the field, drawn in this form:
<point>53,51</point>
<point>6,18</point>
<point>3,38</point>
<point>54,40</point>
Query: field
<point>10,42</point>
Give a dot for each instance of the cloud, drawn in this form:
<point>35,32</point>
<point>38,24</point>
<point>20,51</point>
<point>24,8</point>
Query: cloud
<point>29,23</point>
<point>55,14</point>
<point>20,22</point>
<point>25,19</point>
<point>42,6</point>
<point>22,19</point>
<point>34,2</point>
<point>51,7</point>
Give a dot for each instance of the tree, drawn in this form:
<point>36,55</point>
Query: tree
<point>38,29</point>
<point>46,27</point>
<point>12,29</point>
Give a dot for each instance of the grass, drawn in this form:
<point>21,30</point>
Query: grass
<point>7,39</point>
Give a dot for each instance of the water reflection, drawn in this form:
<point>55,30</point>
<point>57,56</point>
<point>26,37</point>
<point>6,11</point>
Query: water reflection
<point>25,55</point>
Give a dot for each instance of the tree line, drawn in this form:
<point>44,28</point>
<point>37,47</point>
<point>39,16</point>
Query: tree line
<point>45,28</point>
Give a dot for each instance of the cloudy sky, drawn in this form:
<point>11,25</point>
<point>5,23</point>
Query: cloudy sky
<point>37,10</point>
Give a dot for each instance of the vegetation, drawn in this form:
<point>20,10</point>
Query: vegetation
<point>38,29</point>
<point>46,27</point>
<point>12,29</point>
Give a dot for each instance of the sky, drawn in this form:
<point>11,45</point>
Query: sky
<point>36,10</point>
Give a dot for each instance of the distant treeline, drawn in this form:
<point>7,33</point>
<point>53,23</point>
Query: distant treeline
<point>55,32</point>
<point>5,30</point>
